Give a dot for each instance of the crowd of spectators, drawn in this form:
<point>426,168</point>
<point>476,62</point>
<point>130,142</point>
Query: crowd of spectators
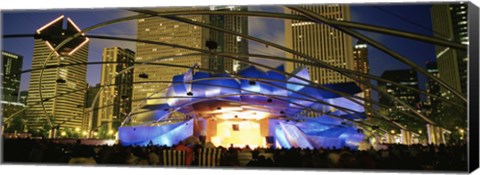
<point>394,157</point>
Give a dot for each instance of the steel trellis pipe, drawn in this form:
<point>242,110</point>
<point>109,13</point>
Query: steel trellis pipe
<point>321,64</point>
<point>349,24</point>
<point>128,18</point>
<point>319,19</point>
<point>83,89</point>
<point>386,50</point>
<point>305,56</point>
<point>270,68</point>
<point>267,57</point>
<point>205,51</point>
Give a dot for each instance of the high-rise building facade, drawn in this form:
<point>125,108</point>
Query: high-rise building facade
<point>115,99</point>
<point>65,83</point>
<point>360,64</point>
<point>433,86</point>
<point>227,42</point>
<point>170,31</point>
<point>11,74</point>
<point>405,77</point>
<point>432,104</point>
<point>449,21</point>
<point>91,113</point>
<point>321,42</point>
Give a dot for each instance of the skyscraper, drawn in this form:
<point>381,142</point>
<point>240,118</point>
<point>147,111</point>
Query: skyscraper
<point>432,104</point>
<point>115,98</point>
<point>64,82</point>
<point>321,42</point>
<point>91,118</point>
<point>405,77</point>
<point>449,21</point>
<point>432,86</point>
<point>11,74</point>
<point>360,64</point>
<point>170,31</point>
<point>227,42</point>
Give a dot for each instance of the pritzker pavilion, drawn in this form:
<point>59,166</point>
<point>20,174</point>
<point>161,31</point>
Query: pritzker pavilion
<point>258,109</point>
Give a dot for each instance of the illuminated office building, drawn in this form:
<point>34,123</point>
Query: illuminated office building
<point>115,97</point>
<point>174,32</point>
<point>360,64</point>
<point>449,21</point>
<point>405,77</point>
<point>227,42</point>
<point>11,74</point>
<point>61,86</point>
<point>321,42</point>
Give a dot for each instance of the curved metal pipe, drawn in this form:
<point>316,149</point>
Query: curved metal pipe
<point>117,20</point>
<point>321,63</point>
<point>266,57</point>
<point>274,70</point>
<point>321,20</point>
<point>259,65</point>
<point>84,30</point>
<point>349,24</point>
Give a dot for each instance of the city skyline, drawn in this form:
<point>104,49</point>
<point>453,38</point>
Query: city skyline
<point>359,14</point>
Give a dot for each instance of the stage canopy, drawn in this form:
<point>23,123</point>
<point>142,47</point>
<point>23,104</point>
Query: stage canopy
<point>286,109</point>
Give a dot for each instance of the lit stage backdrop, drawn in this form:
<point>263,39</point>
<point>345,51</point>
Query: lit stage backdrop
<point>259,109</point>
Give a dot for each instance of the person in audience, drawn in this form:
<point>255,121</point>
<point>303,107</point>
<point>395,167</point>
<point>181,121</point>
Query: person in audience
<point>446,157</point>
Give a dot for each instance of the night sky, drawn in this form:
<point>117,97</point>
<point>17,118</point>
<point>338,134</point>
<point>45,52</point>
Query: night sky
<point>412,18</point>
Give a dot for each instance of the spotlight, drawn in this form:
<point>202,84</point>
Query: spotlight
<point>269,100</point>
<point>252,83</point>
<point>189,93</point>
